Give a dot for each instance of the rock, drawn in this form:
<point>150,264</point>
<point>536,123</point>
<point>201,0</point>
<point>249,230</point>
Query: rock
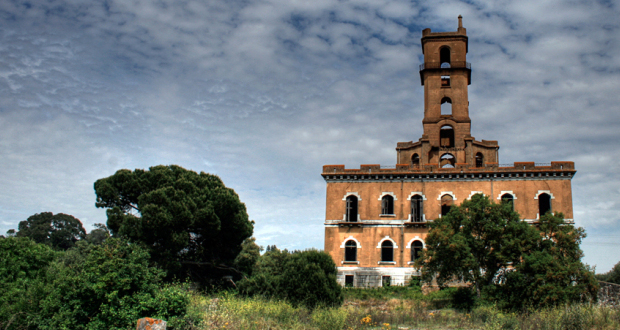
<point>148,323</point>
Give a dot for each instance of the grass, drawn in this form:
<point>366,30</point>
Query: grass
<point>388,311</point>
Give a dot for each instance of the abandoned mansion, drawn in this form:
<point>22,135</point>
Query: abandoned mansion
<point>376,217</point>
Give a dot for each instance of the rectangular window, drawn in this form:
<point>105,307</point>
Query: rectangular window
<point>348,281</point>
<point>445,81</point>
<point>386,280</point>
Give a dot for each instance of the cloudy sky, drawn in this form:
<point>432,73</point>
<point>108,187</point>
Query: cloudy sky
<point>263,93</point>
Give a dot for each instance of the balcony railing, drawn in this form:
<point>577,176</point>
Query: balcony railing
<point>453,65</point>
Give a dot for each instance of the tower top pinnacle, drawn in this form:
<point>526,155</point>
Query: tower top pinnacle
<point>460,22</point>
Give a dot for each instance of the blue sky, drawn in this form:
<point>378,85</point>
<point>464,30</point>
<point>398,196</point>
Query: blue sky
<point>263,93</point>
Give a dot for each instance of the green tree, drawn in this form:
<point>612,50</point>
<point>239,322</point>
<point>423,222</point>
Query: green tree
<point>552,273</point>
<point>60,231</point>
<point>612,276</point>
<point>23,264</point>
<point>305,278</point>
<point>247,258</point>
<point>475,242</point>
<point>98,235</point>
<point>191,223</point>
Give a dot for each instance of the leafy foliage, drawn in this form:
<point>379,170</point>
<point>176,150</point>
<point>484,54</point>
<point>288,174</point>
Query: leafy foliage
<point>511,262</point>
<point>475,242</point>
<point>185,219</point>
<point>612,276</point>
<point>60,231</point>
<point>247,258</point>
<point>305,278</point>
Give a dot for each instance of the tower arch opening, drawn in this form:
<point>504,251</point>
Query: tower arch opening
<point>479,160</point>
<point>446,136</point>
<point>415,159</point>
<point>446,106</point>
<point>447,160</point>
<point>544,204</point>
<point>444,57</point>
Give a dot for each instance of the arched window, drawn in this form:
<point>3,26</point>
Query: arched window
<point>446,106</point>
<point>544,204</point>
<point>444,57</point>
<point>447,161</point>
<point>387,204</point>
<point>416,248</point>
<point>417,208</point>
<point>446,137</point>
<point>508,199</point>
<point>446,204</point>
<point>387,251</point>
<point>351,215</point>
<point>415,160</point>
<point>350,251</point>
<point>479,159</point>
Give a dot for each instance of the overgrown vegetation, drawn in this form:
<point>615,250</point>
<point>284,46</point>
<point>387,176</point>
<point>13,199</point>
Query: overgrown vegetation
<point>612,276</point>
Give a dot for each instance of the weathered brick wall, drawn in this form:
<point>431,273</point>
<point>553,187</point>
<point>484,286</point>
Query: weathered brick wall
<point>609,294</point>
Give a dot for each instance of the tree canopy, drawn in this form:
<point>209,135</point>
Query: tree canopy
<point>516,263</point>
<point>60,231</point>
<point>185,219</point>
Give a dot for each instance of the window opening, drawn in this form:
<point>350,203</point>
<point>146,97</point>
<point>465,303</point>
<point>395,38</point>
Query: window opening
<point>444,57</point>
<point>508,199</point>
<point>417,208</point>
<point>479,159</point>
<point>446,137</point>
<point>416,248</point>
<point>350,251</point>
<point>351,214</point>
<point>446,106</point>
<point>544,204</point>
<point>446,204</point>
<point>447,161</point>
<point>387,205</point>
<point>445,81</point>
<point>386,280</point>
<point>348,281</point>
<point>387,251</point>
<point>415,160</point>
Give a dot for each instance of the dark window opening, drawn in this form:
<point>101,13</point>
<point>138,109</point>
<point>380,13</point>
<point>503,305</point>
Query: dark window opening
<point>387,204</point>
<point>386,280</point>
<point>387,251</point>
<point>508,199</point>
<point>446,137</point>
<point>350,251</point>
<point>447,161</point>
<point>348,281</point>
<point>445,81</point>
<point>544,204</point>
<point>351,214</point>
<point>415,160</point>
<point>417,208</point>
<point>416,248</point>
<point>444,57</point>
<point>446,204</point>
<point>479,159</point>
<point>446,106</point>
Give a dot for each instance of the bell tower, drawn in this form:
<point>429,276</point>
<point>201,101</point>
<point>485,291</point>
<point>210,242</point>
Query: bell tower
<point>446,75</point>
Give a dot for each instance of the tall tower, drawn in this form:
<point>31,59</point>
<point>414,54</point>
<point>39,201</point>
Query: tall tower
<point>445,75</point>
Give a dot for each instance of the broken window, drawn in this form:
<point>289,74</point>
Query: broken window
<point>446,106</point>
<point>386,280</point>
<point>444,57</point>
<point>447,161</point>
<point>445,81</point>
<point>415,160</point>
<point>350,251</point>
<point>387,251</point>
<point>446,203</point>
<point>479,159</point>
<point>416,248</point>
<point>351,215</point>
<point>508,199</point>
<point>387,204</point>
<point>544,204</point>
<point>348,281</point>
<point>446,137</point>
<point>417,208</point>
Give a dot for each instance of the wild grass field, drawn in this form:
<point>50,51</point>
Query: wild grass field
<point>390,311</point>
